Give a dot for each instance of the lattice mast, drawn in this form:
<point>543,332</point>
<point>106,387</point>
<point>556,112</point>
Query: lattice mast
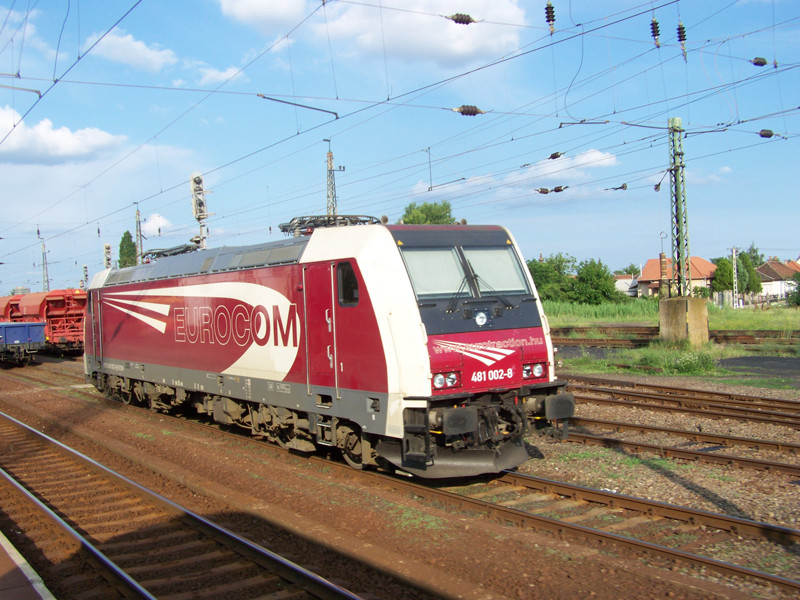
<point>139,244</point>
<point>45,274</point>
<point>681,261</point>
<point>332,200</point>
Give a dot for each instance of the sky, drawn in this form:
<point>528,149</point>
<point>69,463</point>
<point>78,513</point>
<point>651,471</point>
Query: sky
<point>107,108</point>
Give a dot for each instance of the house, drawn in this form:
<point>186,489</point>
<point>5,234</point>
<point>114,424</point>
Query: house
<point>702,272</point>
<point>627,284</point>
<point>777,278</point>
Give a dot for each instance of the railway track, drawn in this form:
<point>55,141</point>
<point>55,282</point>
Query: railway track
<point>126,540</point>
<point>670,535</point>
<point>681,392</point>
<point>625,336</point>
<point>766,410</point>
<point>711,446</point>
<point>619,524</point>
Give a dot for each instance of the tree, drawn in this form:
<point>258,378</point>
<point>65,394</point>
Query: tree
<point>793,297</point>
<point>753,280</point>
<point>594,284</point>
<point>428,213</point>
<point>127,251</point>
<point>723,276</point>
<point>631,269</point>
<point>756,258</point>
<point>552,276</point>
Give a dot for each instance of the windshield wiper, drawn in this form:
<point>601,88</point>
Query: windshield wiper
<point>451,305</point>
<point>491,290</point>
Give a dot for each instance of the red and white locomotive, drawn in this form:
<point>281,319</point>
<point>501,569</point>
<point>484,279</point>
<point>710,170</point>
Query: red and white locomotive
<point>421,346</point>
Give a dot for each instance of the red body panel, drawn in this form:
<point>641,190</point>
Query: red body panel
<point>488,360</point>
<point>250,323</point>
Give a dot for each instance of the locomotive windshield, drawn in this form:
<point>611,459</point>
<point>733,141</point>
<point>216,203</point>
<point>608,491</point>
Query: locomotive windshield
<point>464,272</point>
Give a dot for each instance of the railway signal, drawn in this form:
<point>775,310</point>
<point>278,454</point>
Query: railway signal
<point>199,207</point>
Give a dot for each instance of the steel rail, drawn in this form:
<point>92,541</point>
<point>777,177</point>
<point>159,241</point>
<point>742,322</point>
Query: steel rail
<point>711,438</point>
<point>108,565</point>
<point>734,406</point>
<point>791,421</point>
<point>721,459</point>
<point>678,390</point>
<point>566,530</point>
<point>560,528</point>
<point>736,525</point>
<point>311,582</point>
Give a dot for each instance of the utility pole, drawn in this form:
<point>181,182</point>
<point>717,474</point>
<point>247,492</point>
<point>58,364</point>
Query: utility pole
<point>735,277</point>
<point>45,274</point>
<point>139,248</point>
<point>332,200</point>
<point>681,260</point>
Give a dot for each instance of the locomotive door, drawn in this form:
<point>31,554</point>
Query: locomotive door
<point>320,306</point>
<point>97,341</point>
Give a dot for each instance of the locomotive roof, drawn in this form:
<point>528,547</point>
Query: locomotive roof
<point>213,260</point>
<point>290,251</point>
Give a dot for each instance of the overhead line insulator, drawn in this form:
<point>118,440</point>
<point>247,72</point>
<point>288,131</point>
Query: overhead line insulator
<point>759,61</point>
<point>655,32</point>
<point>550,16</point>
<point>461,19</point>
<point>469,110</point>
<point>682,38</point>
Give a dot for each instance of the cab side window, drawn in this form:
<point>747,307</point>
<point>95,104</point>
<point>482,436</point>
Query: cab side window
<point>347,284</point>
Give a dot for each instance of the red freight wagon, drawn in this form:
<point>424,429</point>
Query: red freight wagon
<point>61,310</point>
<point>9,308</point>
<point>422,347</point>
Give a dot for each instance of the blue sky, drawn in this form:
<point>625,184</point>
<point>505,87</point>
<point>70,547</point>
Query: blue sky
<point>136,96</point>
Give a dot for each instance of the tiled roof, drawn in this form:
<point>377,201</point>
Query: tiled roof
<point>775,270</point>
<point>701,269</point>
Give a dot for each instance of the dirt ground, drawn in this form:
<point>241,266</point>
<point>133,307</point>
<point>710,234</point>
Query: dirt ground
<point>320,519</point>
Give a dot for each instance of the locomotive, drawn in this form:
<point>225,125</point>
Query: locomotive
<point>421,348</point>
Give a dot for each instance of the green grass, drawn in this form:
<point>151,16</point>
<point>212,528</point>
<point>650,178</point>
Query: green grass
<point>645,312</point>
<point>663,358</point>
<point>780,318</point>
<point>566,314</point>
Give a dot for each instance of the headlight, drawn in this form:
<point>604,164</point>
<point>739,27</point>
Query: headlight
<point>532,370</point>
<point>447,380</point>
<point>481,318</point>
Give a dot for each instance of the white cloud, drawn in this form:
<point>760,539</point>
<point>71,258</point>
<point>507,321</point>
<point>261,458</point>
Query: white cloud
<point>416,32</point>
<point>567,168</point>
<point>420,32</point>
<point>270,18</point>
<point>211,76</point>
<point>155,225</point>
<point>45,144</point>
<point>127,50</point>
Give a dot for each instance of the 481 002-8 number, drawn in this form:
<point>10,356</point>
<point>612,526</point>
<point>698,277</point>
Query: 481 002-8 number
<point>492,375</point>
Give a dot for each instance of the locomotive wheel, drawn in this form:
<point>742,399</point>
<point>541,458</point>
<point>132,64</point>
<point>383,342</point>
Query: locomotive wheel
<point>126,396</point>
<point>283,437</point>
<point>353,449</point>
